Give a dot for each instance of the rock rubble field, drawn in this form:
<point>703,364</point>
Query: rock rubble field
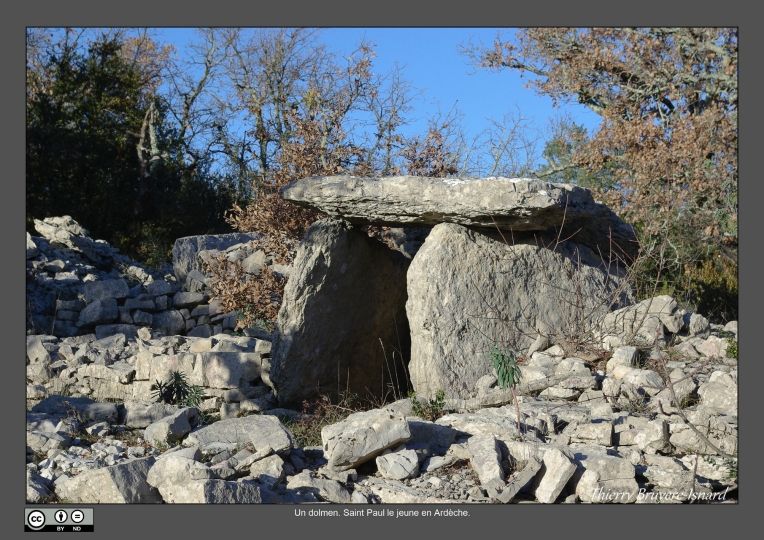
<point>619,400</point>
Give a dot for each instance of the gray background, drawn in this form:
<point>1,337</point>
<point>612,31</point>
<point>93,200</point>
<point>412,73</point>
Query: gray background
<point>206,521</point>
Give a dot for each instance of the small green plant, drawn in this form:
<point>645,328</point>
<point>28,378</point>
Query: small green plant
<point>507,369</point>
<point>176,390</point>
<point>430,409</point>
<point>508,374</point>
<point>732,348</point>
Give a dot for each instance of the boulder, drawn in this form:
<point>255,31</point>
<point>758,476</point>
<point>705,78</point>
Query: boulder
<point>605,478</point>
<point>516,204</point>
<point>485,459</point>
<point>342,324</point>
<point>269,471</point>
<point>185,251</point>
<point>719,393</point>
<point>105,289</point>
<point>213,492</point>
<point>308,482</point>
<point>362,436</point>
<point>99,312</point>
<point>641,324</point>
<point>398,465</point>
<point>468,291</point>
<point>170,322</point>
<point>140,414</point>
<point>175,469</point>
<point>122,483</point>
<point>259,431</point>
<point>557,469</point>
<point>173,428</point>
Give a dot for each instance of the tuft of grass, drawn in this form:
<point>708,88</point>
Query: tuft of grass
<point>319,413</point>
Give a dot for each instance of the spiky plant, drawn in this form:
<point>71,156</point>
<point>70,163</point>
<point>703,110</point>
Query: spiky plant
<point>176,390</point>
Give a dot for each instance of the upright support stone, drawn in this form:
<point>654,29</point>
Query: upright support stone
<point>342,325</point>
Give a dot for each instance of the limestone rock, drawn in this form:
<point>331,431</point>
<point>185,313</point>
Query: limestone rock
<point>234,433</point>
<point>175,469</point>
<point>641,324</point>
<point>122,483</point>
<point>140,414</point>
<point>213,492</point>
<point>485,459</point>
<point>329,490</point>
<point>398,465</point>
<point>98,312</point>
<point>185,251</point>
<point>269,471</point>
<point>719,393</point>
<point>105,289</point>
<point>518,204</point>
<point>468,291</point>
<point>558,468</point>
<point>342,316</point>
<point>605,478</point>
<point>362,436</point>
<point>173,428</point>
<point>522,480</point>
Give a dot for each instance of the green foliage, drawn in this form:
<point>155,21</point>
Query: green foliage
<point>732,348</point>
<point>560,163</point>
<point>176,390</point>
<point>430,409</point>
<point>83,140</point>
<point>507,370</point>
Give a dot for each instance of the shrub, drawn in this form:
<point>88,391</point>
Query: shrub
<point>430,409</point>
<point>255,298</point>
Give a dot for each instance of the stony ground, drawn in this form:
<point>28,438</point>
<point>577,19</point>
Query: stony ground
<point>591,431</point>
<point>646,412</point>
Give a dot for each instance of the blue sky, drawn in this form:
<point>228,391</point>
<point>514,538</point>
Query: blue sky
<point>433,64</point>
<point>442,77</point>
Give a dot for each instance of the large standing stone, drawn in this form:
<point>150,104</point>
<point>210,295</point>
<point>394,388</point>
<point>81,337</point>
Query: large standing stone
<point>342,317</point>
<point>517,204</point>
<point>362,436</point>
<point>468,292</point>
<point>123,483</point>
